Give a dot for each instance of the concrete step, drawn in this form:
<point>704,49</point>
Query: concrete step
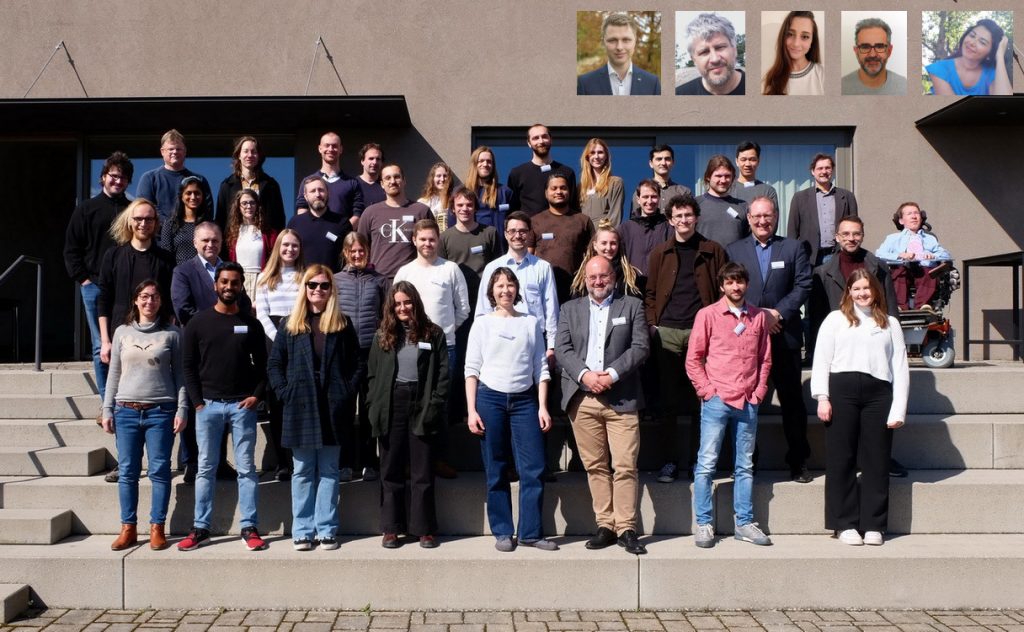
<point>51,461</point>
<point>467,573</point>
<point>47,382</point>
<point>27,406</point>
<point>987,501</point>
<point>14,599</point>
<point>34,526</point>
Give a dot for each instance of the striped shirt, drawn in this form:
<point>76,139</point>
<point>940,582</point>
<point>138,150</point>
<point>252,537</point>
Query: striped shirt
<point>276,302</point>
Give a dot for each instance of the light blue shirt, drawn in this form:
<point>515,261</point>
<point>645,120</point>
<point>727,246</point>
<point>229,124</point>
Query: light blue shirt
<point>896,243</point>
<point>536,286</point>
<point>211,268</point>
<point>596,338</point>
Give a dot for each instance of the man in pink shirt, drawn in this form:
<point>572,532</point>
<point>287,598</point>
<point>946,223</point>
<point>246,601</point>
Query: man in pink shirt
<point>728,361</point>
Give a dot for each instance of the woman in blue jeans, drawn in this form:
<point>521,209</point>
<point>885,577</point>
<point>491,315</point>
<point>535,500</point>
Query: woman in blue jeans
<point>506,393</point>
<point>314,370</point>
<point>144,406</point>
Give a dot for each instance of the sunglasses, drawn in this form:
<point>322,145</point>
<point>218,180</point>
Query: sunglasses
<point>322,285</point>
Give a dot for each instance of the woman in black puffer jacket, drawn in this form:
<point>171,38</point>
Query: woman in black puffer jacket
<point>361,292</point>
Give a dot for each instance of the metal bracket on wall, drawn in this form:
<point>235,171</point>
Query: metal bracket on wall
<point>71,61</point>
<point>330,58</point>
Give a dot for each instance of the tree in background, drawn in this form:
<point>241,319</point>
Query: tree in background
<point>941,30</point>
<point>590,49</point>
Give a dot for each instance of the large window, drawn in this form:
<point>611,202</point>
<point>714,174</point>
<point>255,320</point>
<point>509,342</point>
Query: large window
<point>785,153</point>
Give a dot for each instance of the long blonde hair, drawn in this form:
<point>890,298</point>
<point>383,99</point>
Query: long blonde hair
<point>121,229</point>
<point>443,195</point>
<point>271,274</point>
<point>331,320</point>
<point>590,180</point>
<point>579,285</point>
<point>488,191</point>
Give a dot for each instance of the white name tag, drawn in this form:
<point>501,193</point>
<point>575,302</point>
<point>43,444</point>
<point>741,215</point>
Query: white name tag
<point>506,336</point>
<point>241,329</point>
<point>408,218</point>
<point>332,236</point>
<point>591,191</point>
<point>620,320</point>
<point>423,345</point>
<point>778,265</point>
<point>476,250</point>
<point>740,328</point>
<point>437,282</point>
<point>747,185</point>
<point>733,212</point>
<point>503,208</point>
<point>545,168</point>
<point>547,236</point>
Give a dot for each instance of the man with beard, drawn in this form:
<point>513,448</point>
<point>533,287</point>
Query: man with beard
<point>619,77</point>
<point>873,47</point>
<point>321,230</point>
<point>644,230</point>
<point>225,366</point>
<point>746,186</point>
<point>711,41</point>
<point>371,157</point>
<point>344,196</point>
<point>661,159</point>
<point>561,234</point>
<point>389,224</point>
<point>722,217</point>
<point>815,211</point>
<point>528,181</point>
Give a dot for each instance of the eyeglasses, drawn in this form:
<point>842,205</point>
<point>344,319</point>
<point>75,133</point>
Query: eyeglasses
<point>517,231</point>
<point>247,203</point>
<point>143,220</point>
<point>314,285</point>
<point>878,48</point>
<point>116,176</point>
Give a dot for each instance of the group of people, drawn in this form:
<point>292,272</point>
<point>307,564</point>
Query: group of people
<point>977,66</point>
<point>368,330</point>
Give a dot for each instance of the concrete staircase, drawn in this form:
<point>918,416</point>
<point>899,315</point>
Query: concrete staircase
<point>956,531</point>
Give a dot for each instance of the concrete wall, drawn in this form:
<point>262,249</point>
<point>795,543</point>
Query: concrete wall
<point>462,64</point>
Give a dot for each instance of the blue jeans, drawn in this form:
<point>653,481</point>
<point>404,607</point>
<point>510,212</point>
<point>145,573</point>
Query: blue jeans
<point>315,492</point>
<point>511,426</point>
<point>90,295</point>
<point>154,430</point>
<point>210,424</point>
<point>716,418</point>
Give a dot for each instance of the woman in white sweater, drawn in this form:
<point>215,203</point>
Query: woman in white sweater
<point>861,380</point>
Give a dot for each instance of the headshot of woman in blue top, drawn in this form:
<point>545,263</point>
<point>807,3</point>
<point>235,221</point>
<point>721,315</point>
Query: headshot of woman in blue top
<point>977,66</point>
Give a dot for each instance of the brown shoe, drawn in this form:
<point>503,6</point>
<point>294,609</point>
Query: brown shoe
<point>157,539</point>
<point>444,470</point>
<point>128,538</point>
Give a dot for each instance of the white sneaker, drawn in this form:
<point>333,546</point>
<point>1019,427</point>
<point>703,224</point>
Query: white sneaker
<point>874,538</point>
<point>345,474</point>
<point>851,537</point>
<point>369,474</point>
<point>705,536</point>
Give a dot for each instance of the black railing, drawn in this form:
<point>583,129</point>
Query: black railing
<point>38,263</point>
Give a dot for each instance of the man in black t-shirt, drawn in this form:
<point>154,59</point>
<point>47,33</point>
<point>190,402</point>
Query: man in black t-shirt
<point>529,180</point>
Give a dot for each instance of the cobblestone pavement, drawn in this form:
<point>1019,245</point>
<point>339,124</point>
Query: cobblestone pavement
<point>60,620</point>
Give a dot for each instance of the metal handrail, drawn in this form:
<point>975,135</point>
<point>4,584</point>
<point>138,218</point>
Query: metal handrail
<point>38,263</point>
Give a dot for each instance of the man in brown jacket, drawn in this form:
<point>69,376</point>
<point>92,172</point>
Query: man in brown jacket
<point>682,280</point>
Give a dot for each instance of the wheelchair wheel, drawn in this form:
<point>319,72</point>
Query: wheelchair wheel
<point>938,354</point>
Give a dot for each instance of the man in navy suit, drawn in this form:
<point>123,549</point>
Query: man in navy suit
<point>780,282</point>
<point>192,284</point>
<point>618,77</point>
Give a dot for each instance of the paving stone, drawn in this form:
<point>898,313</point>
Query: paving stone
<point>144,616</point>
<point>95,627</point>
<point>771,617</point>
<point>169,615</point>
<point>639,625</point>
<point>807,626</point>
<point>899,618</point>
<point>226,628</point>
<point>197,619</point>
<point>600,615</point>
<point>324,616</point>
<point>390,621</point>
<point>578,625</point>
<point>416,618</point>
<point>802,615</point>
<point>992,619</point>
<point>705,622</point>
<point>466,627</point>
<point>782,627</point>
<point>677,626</point>
<point>542,615</point>
<point>732,621</point>
<point>531,627</point>
<point>756,628</point>
<point>954,619</point>
<point>834,615</point>
<point>192,627</point>
<point>115,618</point>
<point>231,618</point>
<point>311,626</point>
<point>1016,627</point>
<point>500,627</point>
<point>427,627</point>
<point>263,618</point>
<point>670,615</point>
<point>488,617</point>
<point>295,615</point>
<point>568,615</point>
<point>866,616</point>
<point>639,614</point>
<point>443,617</point>
<point>347,621</point>
<point>84,616</point>
<point>617,626</point>
<point>916,627</point>
<point>66,627</point>
<point>121,627</point>
<point>970,628</point>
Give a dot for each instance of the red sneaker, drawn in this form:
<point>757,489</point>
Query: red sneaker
<point>252,539</point>
<point>195,539</point>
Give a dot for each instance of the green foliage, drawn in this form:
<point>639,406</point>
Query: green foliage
<point>590,49</point>
<point>941,30</point>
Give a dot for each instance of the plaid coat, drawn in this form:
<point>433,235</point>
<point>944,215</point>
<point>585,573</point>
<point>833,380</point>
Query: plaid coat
<point>290,372</point>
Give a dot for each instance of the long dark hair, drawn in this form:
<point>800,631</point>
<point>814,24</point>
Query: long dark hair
<point>236,156</point>
<point>997,36</point>
<point>133,315</point>
<point>235,220</point>
<point>391,330</point>
<point>179,204</point>
<point>776,80</point>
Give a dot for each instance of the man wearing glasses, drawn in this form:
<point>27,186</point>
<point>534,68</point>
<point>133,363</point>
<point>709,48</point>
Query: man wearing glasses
<point>873,46</point>
<point>160,185</point>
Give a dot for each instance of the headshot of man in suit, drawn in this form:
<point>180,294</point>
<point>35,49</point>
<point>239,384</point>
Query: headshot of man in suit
<point>618,76</point>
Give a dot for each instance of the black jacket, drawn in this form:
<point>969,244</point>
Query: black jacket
<point>87,237</point>
<point>122,268</point>
<point>270,200</point>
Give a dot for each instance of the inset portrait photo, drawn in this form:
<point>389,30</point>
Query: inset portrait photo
<point>967,52</point>
<point>618,53</point>
<point>874,52</point>
<point>792,50</point>
<point>710,53</point>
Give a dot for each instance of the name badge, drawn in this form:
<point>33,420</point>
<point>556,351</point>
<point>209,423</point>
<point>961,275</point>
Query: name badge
<point>778,265</point>
<point>732,212</point>
<point>747,185</point>
<point>503,208</point>
<point>740,328</point>
<point>506,336</point>
<point>619,320</point>
<point>241,329</point>
<point>332,236</point>
<point>545,168</point>
<point>547,236</point>
<point>476,250</point>
<point>423,345</point>
<point>408,218</point>
<point>591,191</point>
<point>437,282</point>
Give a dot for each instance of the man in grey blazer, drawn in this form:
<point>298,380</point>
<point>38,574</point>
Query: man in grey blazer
<point>618,77</point>
<point>601,343</point>
<point>815,211</point>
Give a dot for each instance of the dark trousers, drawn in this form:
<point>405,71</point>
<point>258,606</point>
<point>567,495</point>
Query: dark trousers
<point>358,448</point>
<point>677,398</point>
<point>788,382</point>
<point>857,437</point>
<point>399,449</point>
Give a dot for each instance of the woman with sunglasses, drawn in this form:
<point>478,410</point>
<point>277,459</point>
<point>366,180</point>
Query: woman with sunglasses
<point>313,369</point>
